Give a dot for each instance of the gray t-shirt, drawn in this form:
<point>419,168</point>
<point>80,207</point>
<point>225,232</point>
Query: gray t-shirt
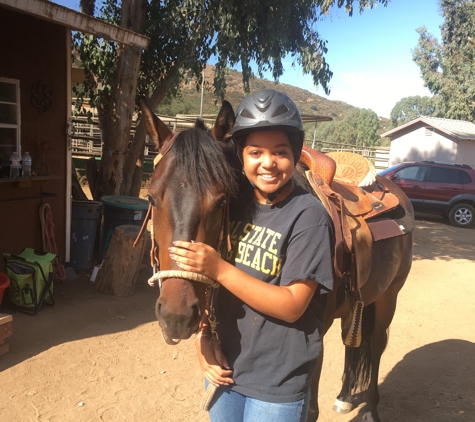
<point>273,360</point>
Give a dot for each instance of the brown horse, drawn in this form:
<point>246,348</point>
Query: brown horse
<point>196,173</point>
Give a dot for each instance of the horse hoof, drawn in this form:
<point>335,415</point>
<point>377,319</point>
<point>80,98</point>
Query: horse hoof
<point>342,407</point>
<point>368,417</point>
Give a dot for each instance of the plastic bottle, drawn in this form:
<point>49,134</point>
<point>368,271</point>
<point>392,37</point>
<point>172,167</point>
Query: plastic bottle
<point>26,165</point>
<point>15,165</point>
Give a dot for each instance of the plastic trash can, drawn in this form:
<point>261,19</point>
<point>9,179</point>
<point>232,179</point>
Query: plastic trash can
<point>84,219</point>
<point>117,211</point>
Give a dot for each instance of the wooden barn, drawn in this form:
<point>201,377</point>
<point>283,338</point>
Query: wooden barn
<point>35,108</point>
<point>432,138</point>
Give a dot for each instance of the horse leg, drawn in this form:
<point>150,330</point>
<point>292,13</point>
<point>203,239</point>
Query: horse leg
<point>357,368</point>
<point>343,403</point>
<point>385,307</point>
<point>313,410</point>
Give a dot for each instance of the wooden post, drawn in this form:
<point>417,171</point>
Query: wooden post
<point>121,265</point>
<point>5,331</point>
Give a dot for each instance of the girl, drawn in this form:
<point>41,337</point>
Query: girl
<point>271,303</point>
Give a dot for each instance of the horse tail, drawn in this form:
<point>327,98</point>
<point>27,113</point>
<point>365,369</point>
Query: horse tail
<point>358,359</point>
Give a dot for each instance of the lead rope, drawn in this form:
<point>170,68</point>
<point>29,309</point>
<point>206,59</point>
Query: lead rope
<point>218,352</point>
<point>213,323</point>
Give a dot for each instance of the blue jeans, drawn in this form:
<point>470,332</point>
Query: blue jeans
<point>229,406</point>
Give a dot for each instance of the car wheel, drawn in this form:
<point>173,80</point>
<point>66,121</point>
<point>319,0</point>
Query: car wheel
<point>462,215</point>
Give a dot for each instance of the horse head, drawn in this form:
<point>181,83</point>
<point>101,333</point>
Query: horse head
<point>189,190</point>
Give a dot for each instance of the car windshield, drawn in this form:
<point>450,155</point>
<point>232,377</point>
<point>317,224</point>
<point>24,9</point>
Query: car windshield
<point>384,172</point>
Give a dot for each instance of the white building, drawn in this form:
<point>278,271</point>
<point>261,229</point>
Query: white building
<point>434,139</point>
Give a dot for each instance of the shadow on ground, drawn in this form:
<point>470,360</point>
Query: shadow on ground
<point>78,304</point>
<point>446,241</point>
<point>441,376</point>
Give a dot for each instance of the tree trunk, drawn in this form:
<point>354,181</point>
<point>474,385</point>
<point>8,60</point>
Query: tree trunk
<point>116,117</point>
<point>120,269</point>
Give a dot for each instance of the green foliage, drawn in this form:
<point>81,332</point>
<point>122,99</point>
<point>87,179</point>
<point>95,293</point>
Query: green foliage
<point>448,67</point>
<point>410,108</point>
<point>367,127</point>
<point>171,106</point>
<point>358,127</point>
<point>185,34</point>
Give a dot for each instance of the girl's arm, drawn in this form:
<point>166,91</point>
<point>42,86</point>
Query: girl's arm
<point>287,303</point>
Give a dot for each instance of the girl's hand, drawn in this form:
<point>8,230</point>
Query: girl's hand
<point>212,371</point>
<point>196,257</point>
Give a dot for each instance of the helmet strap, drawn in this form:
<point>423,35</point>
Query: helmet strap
<point>271,197</point>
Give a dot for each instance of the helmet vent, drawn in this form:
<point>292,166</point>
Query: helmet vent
<point>281,110</point>
<point>263,109</point>
<point>246,113</point>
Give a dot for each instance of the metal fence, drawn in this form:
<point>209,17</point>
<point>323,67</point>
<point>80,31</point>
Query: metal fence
<point>85,134</point>
<point>86,140</point>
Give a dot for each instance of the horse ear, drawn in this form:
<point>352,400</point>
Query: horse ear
<point>155,128</point>
<point>224,123</point>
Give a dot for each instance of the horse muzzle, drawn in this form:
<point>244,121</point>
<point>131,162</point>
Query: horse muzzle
<point>179,324</point>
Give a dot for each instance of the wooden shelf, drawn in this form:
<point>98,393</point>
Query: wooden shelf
<point>24,182</point>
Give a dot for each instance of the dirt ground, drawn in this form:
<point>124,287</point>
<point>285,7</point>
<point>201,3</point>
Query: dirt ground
<point>94,357</point>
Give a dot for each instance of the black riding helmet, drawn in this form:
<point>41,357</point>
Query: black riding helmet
<point>269,110</point>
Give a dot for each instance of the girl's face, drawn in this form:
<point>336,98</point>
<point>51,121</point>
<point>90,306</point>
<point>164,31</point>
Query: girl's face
<point>268,160</point>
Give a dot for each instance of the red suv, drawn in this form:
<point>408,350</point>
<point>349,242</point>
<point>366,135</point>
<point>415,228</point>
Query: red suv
<point>438,188</point>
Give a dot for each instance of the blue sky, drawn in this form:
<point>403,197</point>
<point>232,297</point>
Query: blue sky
<point>369,54</point>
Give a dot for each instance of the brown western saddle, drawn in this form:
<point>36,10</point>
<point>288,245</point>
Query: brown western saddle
<point>348,187</point>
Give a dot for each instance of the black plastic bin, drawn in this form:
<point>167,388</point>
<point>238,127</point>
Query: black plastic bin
<point>117,211</point>
<point>84,219</point>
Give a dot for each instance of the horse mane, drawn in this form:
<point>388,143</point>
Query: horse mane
<point>203,158</point>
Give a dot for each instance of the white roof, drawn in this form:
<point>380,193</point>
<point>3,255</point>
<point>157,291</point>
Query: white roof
<point>458,128</point>
<point>77,21</point>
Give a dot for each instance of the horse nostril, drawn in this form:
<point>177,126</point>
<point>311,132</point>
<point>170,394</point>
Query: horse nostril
<point>196,311</point>
<point>158,307</point>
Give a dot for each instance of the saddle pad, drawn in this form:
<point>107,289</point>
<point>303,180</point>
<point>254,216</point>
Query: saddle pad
<point>353,169</point>
<point>384,229</point>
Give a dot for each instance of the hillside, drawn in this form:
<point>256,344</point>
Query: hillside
<point>308,103</point>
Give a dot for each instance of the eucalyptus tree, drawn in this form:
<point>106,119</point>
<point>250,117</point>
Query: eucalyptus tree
<point>410,108</point>
<point>184,36</point>
<point>448,67</point>
<point>367,128</point>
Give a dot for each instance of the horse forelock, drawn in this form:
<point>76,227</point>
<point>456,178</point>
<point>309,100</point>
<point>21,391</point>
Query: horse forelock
<point>203,159</point>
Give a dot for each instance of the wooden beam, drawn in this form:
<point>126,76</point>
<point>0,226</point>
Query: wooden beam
<point>77,21</point>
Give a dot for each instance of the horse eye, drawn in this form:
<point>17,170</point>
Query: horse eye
<point>151,200</point>
<point>221,203</point>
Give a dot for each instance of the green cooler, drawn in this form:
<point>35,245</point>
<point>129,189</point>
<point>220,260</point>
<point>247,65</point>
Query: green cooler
<point>31,280</point>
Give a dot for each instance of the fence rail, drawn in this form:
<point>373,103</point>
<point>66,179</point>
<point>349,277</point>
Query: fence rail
<point>86,134</point>
<point>86,140</point>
